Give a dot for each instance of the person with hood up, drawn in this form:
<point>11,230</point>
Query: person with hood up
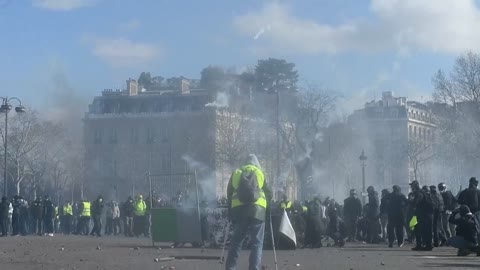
<point>48,216</point>
<point>465,239</point>
<point>372,214</point>
<point>96,212</point>
<point>247,200</point>
<point>128,211</point>
<point>4,221</point>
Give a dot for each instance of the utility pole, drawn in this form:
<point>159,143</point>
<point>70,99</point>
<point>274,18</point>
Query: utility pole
<point>278,139</point>
<point>363,163</point>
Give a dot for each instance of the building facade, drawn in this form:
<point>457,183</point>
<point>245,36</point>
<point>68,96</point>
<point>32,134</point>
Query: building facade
<point>398,136</point>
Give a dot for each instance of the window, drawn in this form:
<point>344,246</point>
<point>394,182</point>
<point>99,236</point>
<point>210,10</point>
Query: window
<point>113,136</point>
<point>133,135</point>
<point>150,135</point>
<point>97,137</point>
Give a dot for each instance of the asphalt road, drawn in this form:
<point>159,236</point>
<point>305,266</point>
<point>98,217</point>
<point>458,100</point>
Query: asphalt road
<point>77,252</point>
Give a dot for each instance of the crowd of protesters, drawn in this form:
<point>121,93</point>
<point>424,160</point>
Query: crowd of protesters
<point>428,216</point>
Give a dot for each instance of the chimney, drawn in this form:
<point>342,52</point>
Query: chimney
<point>185,86</point>
<point>132,87</point>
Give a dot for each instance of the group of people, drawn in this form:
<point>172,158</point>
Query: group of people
<point>431,216</point>
<point>43,217</point>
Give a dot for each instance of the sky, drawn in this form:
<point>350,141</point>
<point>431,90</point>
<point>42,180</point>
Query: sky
<point>54,52</point>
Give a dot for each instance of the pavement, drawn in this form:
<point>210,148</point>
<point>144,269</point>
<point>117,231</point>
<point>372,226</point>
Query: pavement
<point>82,252</point>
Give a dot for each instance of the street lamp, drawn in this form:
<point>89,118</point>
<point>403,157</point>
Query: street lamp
<point>363,163</point>
<point>5,108</point>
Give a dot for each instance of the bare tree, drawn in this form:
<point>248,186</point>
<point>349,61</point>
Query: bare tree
<point>419,152</point>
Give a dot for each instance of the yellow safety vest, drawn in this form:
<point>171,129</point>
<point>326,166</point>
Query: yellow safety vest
<point>262,201</point>
<point>287,205</point>
<point>305,209</point>
<point>86,209</point>
<point>139,208</point>
<point>67,209</point>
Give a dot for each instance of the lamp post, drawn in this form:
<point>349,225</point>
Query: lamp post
<point>5,108</point>
<point>363,163</point>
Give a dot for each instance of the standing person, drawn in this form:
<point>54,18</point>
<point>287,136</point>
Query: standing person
<point>471,198</point>
<point>48,215</point>
<point>439,238</point>
<point>315,223</point>
<point>450,203</point>
<point>352,210</point>
<point>384,213</point>
<point>117,228</point>
<point>396,210</point>
<point>4,222</point>
<point>128,212</point>
<point>247,199</point>
<point>85,214</point>
<point>109,216</point>
<point>37,214</point>
<point>16,215</point>
<point>67,217</point>
<point>24,216</point>
<point>372,214</point>
<point>96,211</point>
<point>423,209</point>
<point>140,208</point>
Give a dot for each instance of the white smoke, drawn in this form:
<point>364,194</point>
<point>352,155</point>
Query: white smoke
<point>206,177</point>
<point>222,101</point>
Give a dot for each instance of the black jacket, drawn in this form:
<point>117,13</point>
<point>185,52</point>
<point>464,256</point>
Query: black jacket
<point>449,200</point>
<point>36,209</point>
<point>352,207</point>
<point>96,208</point>
<point>127,209</point>
<point>437,198</point>
<point>397,206</point>
<point>471,198</point>
<point>373,209</point>
<point>4,207</point>
<point>466,227</point>
<point>48,209</point>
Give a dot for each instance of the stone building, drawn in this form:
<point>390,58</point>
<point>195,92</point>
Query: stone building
<point>397,136</point>
<point>129,132</point>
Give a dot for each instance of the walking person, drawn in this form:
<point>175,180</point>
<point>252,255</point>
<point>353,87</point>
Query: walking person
<point>423,209</point>
<point>247,200</point>
<point>372,214</point>
<point>396,211</point>
<point>450,203</point>
<point>384,213</point>
<point>439,238</point>
<point>352,210</point>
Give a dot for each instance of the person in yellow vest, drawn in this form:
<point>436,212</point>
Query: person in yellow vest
<point>67,217</point>
<point>247,199</point>
<point>286,204</point>
<point>139,217</point>
<point>84,210</point>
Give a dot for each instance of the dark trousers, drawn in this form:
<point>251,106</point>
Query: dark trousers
<point>351,224</point>
<point>373,230</point>
<point>129,226</point>
<point>38,226</point>
<point>67,223</point>
<point>48,225</point>
<point>423,230</point>
<point>109,226</point>
<point>438,232</point>
<point>84,225</point>
<point>139,225</point>
<point>4,224</point>
<point>97,225</point>
<point>395,229</point>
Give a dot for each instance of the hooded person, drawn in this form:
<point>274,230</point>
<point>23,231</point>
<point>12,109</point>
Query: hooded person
<point>465,239</point>
<point>247,196</point>
<point>96,211</point>
<point>4,220</point>
<point>471,198</point>
<point>373,212</point>
<point>396,211</point>
<point>352,211</point>
<point>48,215</point>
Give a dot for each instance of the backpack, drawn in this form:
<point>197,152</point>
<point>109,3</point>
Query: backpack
<point>248,190</point>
